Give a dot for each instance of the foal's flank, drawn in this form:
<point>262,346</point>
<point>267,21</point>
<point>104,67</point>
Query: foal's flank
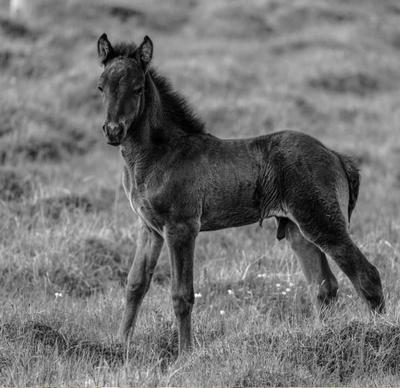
<point>181,180</point>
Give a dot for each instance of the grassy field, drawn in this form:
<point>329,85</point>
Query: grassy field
<point>67,236</point>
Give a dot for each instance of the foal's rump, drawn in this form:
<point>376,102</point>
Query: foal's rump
<point>319,187</point>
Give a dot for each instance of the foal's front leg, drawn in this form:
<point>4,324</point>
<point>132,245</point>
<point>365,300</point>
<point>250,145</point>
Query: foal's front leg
<point>181,241</point>
<point>147,253</point>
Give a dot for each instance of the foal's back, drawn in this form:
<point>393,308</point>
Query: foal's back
<point>228,183</point>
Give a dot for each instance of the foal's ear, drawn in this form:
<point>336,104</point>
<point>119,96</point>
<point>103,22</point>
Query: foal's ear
<point>104,49</point>
<point>145,52</point>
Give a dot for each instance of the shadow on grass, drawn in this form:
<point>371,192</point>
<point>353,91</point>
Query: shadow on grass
<point>43,338</point>
<point>344,352</point>
<point>47,338</point>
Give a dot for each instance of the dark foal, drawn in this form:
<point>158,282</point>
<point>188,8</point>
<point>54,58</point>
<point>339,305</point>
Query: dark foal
<point>181,181</point>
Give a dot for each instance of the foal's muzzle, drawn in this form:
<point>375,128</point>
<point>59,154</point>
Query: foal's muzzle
<point>114,133</point>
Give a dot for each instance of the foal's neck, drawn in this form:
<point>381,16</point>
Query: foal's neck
<point>165,119</point>
<point>149,131</point>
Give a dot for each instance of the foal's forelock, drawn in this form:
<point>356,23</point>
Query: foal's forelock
<point>124,74</point>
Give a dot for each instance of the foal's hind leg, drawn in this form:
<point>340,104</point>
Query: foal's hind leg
<point>364,276</point>
<point>323,285</point>
<point>139,277</point>
<point>327,229</point>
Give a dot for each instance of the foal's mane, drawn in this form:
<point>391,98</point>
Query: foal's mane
<point>175,106</point>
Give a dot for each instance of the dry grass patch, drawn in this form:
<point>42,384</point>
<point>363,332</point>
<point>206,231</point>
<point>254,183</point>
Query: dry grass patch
<point>53,207</point>
<point>14,29</point>
<point>361,84</point>
<point>94,266</point>
<point>14,185</point>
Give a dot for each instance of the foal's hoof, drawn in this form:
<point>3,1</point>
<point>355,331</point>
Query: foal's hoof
<point>378,306</point>
<point>376,302</point>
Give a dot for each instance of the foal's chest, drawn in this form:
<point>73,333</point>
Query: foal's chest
<point>139,196</point>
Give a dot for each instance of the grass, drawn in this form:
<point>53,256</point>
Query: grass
<point>67,236</point>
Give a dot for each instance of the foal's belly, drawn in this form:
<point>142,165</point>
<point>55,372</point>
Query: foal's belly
<point>230,193</point>
<point>230,220</point>
<point>229,209</point>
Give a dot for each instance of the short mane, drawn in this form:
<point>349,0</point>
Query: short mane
<point>175,105</point>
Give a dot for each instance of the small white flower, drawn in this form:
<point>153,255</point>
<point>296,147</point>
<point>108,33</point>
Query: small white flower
<point>230,292</point>
<point>287,289</point>
<point>222,312</point>
<point>262,275</point>
<point>388,243</point>
<point>291,284</point>
<point>278,285</point>
<point>197,295</point>
<point>58,295</point>
<point>283,292</point>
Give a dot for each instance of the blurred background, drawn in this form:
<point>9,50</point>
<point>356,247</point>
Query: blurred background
<point>67,236</point>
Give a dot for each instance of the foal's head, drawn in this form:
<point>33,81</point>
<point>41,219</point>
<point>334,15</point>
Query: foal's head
<point>122,85</point>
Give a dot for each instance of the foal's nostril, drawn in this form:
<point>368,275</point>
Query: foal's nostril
<point>113,132</point>
<point>120,130</point>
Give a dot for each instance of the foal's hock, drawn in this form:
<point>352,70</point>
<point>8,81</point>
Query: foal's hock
<point>181,180</point>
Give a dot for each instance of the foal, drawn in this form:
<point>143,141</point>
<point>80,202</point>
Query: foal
<point>181,181</point>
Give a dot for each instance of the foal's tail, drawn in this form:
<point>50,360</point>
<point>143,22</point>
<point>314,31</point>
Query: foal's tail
<point>353,178</point>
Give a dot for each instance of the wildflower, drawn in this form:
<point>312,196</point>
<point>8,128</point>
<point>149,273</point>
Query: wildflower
<point>283,292</point>
<point>387,243</point>
<point>230,292</point>
<point>287,289</point>
<point>197,295</point>
<point>278,285</point>
<point>262,275</point>
<point>291,284</point>
<point>222,312</point>
<point>58,295</point>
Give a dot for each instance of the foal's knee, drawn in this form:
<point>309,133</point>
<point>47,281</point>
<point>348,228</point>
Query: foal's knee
<point>182,302</point>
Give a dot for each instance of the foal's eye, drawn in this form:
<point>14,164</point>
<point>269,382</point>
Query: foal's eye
<point>100,88</point>
<point>138,90</point>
